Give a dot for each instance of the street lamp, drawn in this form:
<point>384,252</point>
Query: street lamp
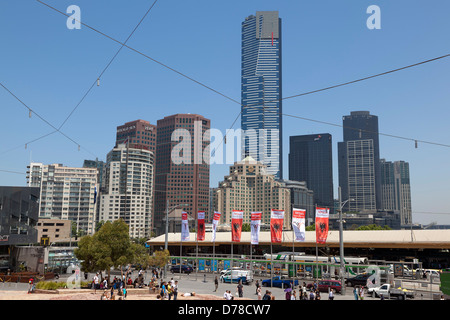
<point>341,241</point>
<point>167,228</point>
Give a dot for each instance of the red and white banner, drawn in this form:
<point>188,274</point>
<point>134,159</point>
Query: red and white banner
<point>255,225</point>
<point>298,224</point>
<point>215,222</point>
<point>276,225</point>
<point>201,225</point>
<point>322,215</point>
<point>184,227</point>
<point>236,225</point>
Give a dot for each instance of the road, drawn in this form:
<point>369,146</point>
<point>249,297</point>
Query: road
<point>203,283</point>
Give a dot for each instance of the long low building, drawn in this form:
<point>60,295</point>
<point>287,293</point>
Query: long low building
<point>429,246</point>
<point>416,239</point>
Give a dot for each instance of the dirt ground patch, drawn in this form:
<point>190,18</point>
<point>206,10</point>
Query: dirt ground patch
<point>21,295</point>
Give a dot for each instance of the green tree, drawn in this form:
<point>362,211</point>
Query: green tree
<point>311,227</point>
<point>373,227</point>
<point>246,227</point>
<point>98,225</point>
<point>159,258</point>
<point>109,247</point>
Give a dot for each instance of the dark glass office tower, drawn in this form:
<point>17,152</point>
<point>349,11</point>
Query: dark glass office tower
<point>310,160</point>
<point>396,189</point>
<point>359,162</point>
<point>261,118</point>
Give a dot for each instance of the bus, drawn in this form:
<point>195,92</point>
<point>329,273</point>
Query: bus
<point>298,263</point>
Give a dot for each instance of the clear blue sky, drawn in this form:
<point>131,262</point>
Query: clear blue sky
<point>50,67</point>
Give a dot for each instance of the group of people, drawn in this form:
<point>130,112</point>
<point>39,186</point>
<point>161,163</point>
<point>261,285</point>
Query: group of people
<point>292,294</point>
<point>358,293</point>
<point>167,289</point>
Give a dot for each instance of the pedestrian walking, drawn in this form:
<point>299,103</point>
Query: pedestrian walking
<point>267,295</point>
<point>293,295</point>
<point>169,290</point>
<point>30,284</point>
<point>216,284</point>
<point>361,293</point>
<point>163,291</point>
<point>175,290</point>
<point>95,283</point>
<point>240,289</point>
<point>331,295</point>
<point>105,283</point>
<point>258,292</point>
<point>257,286</point>
<point>355,293</point>
<point>312,296</point>
<point>288,294</point>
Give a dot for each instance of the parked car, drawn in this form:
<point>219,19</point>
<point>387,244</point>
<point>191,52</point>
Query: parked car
<point>281,282</point>
<point>427,273</point>
<point>326,285</point>
<point>184,269</point>
<point>358,280</point>
<point>388,291</point>
<point>237,275</point>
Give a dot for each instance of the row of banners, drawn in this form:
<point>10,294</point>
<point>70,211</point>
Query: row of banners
<point>276,225</point>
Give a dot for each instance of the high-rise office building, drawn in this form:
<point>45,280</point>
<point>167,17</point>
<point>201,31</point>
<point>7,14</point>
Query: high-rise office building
<point>396,189</point>
<point>359,162</point>
<point>128,193</point>
<point>250,188</point>
<point>310,160</point>
<point>140,134</point>
<point>19,213</point>
<point>301,198</point>
<point>181,172</point>
<point>261,119</point>
<point>67,193</point>
<point>101,168</point>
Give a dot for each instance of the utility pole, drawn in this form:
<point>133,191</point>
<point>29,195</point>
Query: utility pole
<point>341,245</point>
<point>166,240</point>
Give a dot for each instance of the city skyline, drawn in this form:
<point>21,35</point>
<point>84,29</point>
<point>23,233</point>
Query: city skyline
<point>319,49</point>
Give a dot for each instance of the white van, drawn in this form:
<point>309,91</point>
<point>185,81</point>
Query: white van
<point>234,276</point>
<point>434,273</point>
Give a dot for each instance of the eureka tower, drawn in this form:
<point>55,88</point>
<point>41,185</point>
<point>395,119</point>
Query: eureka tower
<point>261,119</point>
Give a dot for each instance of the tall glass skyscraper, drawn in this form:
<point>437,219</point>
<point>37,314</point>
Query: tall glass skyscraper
<point>310,160</point>
<point>261,119</point>
<point>359,162</point>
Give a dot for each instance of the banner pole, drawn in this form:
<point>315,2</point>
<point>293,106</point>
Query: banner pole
<point>231,262</point>
<point>181,249</point>
<point>214,258</point>
<point>271,264</point>
<point>317,250</point>
<point>294,267</point>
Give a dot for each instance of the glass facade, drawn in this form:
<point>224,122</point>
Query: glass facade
<point>396,189</point>
<point>19,212</point>
<point>359,162</point>
<point>261,119</point>
<point>310,160</point>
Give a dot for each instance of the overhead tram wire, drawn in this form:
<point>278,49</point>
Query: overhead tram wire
<point>144,55</point>
<point>89,90</point>
<point>29,142</point>
<point>108,65</point>
<point>345,84</point>
<point>368,131</point>
<point>43,119</point>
